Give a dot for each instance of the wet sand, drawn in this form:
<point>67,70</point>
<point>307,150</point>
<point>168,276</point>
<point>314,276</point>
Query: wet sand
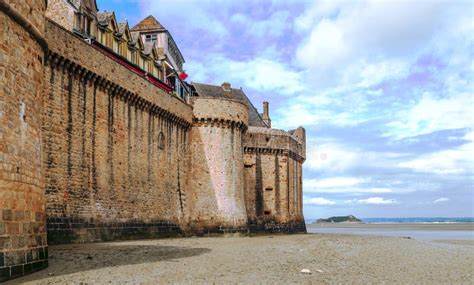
<point>454,233</point>
<point>263,259</point>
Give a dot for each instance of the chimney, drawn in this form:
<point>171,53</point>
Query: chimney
<point>266,115</point>
<point>226,88</point>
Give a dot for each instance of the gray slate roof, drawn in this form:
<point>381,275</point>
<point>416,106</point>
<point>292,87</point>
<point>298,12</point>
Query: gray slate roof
<point>207,90</point>
<point>135,36</point>
<point>122,26</point>
<point>148,47</point>
<point>104,18</point>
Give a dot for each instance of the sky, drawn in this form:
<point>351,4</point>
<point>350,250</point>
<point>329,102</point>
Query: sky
<point>384,90</point>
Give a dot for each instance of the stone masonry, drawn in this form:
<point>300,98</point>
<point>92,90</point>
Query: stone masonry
<point>216,178</point>
<point>23,246</point>
<point>96,148</point>
<point>113,149</point>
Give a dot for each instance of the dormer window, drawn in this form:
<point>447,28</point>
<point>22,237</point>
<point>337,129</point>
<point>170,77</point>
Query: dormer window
<point>87,25</point>
<point>150,38</point>
<point>77,21</point>
<point>82,23</point>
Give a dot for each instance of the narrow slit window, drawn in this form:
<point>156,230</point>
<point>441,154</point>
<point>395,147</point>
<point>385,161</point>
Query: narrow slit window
<point>161,140</point>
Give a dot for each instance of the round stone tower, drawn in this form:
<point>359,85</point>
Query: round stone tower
<point>23,247</point>
<point>216,178</point>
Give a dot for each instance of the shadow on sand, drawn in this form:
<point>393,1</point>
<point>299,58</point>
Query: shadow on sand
<point>72,258</point>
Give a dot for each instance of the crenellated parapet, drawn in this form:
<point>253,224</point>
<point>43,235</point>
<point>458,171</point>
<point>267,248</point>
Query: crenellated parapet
<point>220,111</point>
<point>266,140</point>
<point>219,123</point>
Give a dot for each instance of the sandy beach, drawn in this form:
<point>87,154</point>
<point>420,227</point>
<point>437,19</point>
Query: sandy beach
<point>263,259</point>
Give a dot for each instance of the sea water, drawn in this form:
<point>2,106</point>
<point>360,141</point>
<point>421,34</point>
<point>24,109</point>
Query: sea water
<point>378,227</point>
<point>419,220</point>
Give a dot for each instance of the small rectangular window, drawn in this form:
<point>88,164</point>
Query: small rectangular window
<point>150,38</point>
<point>267,212</point>
<point>269,189</point>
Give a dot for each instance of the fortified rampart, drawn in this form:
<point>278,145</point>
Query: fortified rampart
<point>114,147</point>
<point>273,162</point>
<point>216,178</point>
<point>98,144</point>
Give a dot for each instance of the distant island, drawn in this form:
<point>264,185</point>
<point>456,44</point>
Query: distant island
<point>339,219</point>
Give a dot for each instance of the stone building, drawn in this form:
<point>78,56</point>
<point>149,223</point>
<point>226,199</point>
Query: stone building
<point>102,139</point>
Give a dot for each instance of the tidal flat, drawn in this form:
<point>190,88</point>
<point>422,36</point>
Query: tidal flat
<point>455,233</point>
<point>269,259</point>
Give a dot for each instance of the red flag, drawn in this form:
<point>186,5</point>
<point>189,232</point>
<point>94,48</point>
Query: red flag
<point>183,75</point>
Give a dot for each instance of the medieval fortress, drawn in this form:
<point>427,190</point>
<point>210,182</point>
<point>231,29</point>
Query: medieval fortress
<point>102,138</point>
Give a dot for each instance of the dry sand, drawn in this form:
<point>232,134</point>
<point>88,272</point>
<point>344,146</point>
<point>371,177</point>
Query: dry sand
<point>263,259</point>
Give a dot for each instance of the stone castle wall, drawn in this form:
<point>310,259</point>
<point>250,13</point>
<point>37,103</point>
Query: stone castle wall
<point>273,180</point>
<point>114,148</point>
<point>23,247</point>
<point>92,151</point>
<point>215,178</point>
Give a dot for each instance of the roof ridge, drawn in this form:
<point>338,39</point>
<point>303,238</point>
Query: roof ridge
<point>148,23</point>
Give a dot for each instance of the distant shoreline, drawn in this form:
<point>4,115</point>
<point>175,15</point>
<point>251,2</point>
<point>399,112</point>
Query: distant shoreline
<point>412,226</point>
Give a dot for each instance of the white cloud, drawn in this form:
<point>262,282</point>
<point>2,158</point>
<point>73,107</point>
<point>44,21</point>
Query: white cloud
<point>341,31</point>
<point>374,201</point>
<point>358,45</point>
<point>341,185</point>
<point>330,157</point>
<point>347,185</point>
<point>274,26</point>
<point>334,182</point>
<point>260,73</point>
<point>346,190</point>
<point>459,160</point>
<point>441,200</point>
<point>294,115</point>
<point>375,73</point>
<point>317,201</point>
<point>324,47</point>
<point>196,16</point>
<point>431,114</point>
<point>320,109</point>
<point>334,157</point>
